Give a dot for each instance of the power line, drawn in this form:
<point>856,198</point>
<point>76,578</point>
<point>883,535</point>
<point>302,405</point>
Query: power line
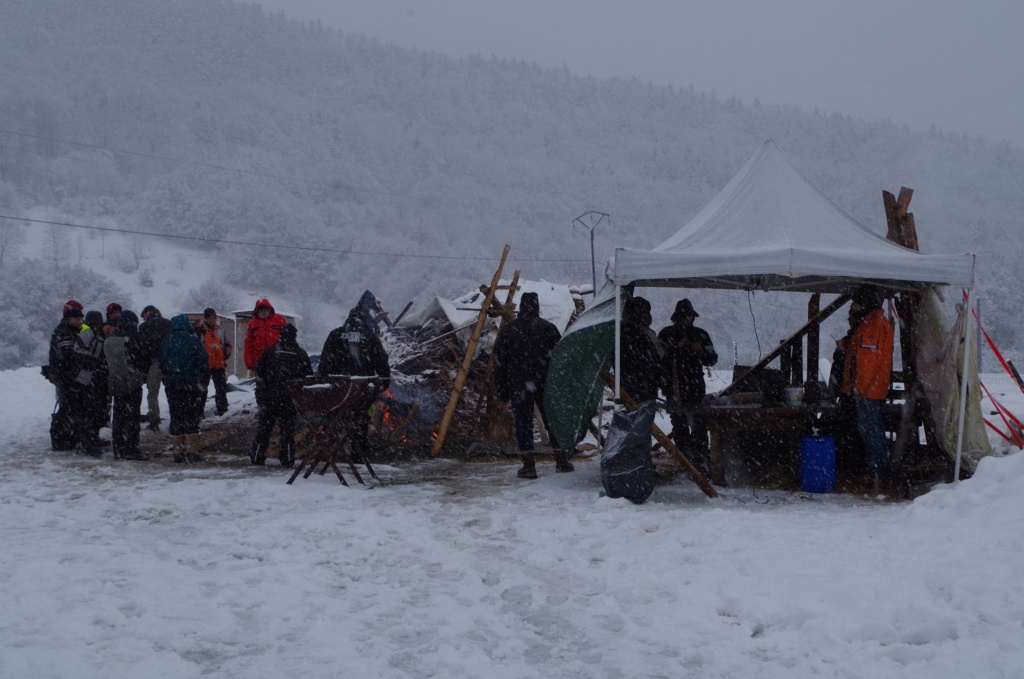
<point>278,246</point>
<point>152,156</point>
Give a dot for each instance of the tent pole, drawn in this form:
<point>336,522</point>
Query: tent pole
<point>963,389</point>
<point>618,350</point>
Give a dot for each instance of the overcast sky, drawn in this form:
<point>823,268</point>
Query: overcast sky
<point>953,64</point>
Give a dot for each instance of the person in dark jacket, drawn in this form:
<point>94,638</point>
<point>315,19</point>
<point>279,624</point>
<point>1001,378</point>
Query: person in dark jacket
<point>62,371</point>
<point>127,370</point>
<point>281,363</point>
<point>521,357</point>
<point>688,350</point>
<point>642,369</point>
<point>183,361</point>
<point>354,349</point>
<point>152,332</point>
<point>93,364</point>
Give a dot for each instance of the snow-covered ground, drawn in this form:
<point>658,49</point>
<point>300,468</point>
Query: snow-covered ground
<point>131,569</point>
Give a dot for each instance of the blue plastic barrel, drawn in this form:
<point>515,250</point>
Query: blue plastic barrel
<point>818,464</point>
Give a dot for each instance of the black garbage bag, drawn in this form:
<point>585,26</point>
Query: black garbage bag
<point>627,469</point>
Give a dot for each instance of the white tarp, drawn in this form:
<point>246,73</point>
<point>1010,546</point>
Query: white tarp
<point>556,305</point>
<point>771,229</point>
<point>940,359</point>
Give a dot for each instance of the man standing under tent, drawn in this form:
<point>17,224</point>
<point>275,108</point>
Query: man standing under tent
<point>867,374</point>
<point>355,349</point>
<point>688,350</point>
<point>521,357</point>
<point>642,371</point>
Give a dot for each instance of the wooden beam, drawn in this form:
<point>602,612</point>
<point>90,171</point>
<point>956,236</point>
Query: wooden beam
<point>506,315</point>
<point>813,337</point>
<point>910,232</point>
<point>804,329</point>
<point>891,217</point>
<point>903,201</point>
<point>460,379</point>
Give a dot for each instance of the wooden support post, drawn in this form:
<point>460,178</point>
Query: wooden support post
<point>460,379</point>
<point>813,337</point>
<point>490,423</point>
<point>786,363</point>
<point>797,364</point>
<point>666,442</point>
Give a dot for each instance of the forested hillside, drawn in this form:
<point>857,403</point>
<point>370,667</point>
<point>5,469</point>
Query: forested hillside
<point>210,119</point>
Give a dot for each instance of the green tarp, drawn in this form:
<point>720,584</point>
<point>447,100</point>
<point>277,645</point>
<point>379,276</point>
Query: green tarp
<point>574,388</point>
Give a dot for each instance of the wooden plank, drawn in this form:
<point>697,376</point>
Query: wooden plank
<point>892,219</point>
<point>460,379</point>
<point>825,313</point>
<point>813,337</point>
<point>903,201</point>
<point>506,314</point>
<point>404,311</point>
<point>910,232</point>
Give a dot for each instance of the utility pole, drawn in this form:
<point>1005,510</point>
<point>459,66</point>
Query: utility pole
<point>589,221</point>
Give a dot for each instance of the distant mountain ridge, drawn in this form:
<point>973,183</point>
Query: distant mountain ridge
<point>342,143</point>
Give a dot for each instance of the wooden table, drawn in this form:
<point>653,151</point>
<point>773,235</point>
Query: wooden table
<point>754,443</point>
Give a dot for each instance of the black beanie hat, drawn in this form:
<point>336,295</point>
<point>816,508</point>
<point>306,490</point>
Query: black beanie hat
<point>529,300</point>
<point>867,296</point>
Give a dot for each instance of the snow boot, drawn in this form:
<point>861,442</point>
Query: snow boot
<point>193,448</point>
<point>178,449</point>
<point>529,469</point>
<point>287,456</point>
<point>562,463</point>
<point>258,454</point>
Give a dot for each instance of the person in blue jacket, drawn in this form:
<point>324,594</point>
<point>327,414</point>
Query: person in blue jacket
<point>183,362</point>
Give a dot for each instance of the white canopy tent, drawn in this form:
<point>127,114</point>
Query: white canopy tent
<point>771,229</point>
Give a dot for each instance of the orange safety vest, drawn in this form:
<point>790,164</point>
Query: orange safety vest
<point>214,341</point>
<point>868,369</point>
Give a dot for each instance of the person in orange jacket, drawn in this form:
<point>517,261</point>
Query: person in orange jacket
<point>264,331</point>
<point>867,374</point>
<point>218,348</point>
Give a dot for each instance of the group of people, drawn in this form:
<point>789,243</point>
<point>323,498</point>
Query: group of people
<point>99,366</point>
<point>272,352</point>
<point>672,363</point>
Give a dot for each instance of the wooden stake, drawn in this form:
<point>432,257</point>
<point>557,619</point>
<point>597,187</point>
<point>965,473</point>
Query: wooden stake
<point>813,337</point>
<point>506,315</point>
<point>460,379</point>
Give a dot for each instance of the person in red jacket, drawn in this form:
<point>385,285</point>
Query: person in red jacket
<point>264,330</point>
<point>867,372</point>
